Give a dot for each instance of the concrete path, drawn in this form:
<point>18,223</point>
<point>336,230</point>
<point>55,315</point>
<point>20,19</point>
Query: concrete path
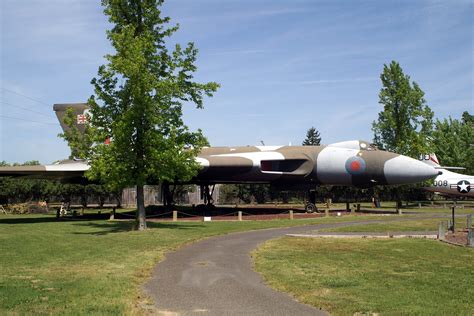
<point>216,277</point>
<point>405,234</point>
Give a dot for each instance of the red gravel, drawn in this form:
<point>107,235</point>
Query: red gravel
<point>279,214</point>
<point>457,237</point>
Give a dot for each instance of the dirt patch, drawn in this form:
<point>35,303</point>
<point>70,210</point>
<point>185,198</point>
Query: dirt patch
<point>459,238</point>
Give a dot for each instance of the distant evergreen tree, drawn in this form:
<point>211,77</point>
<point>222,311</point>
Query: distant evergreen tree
<point>312,138</point>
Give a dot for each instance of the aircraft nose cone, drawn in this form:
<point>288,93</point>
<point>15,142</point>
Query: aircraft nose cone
<point>403,169</point>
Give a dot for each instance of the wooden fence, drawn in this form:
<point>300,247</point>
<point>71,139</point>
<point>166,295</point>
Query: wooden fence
<point>153,196</point>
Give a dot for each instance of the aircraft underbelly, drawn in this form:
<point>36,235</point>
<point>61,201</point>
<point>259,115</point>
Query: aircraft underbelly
<point>235,174</point>
<point>244,167</point>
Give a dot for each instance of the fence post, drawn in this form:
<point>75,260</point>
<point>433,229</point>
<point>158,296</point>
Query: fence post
<point>442,231</point>
<point>328,203</point>
<point>112,214</point>
<point>240,215</point>
<point>470,237</point>
<point>291,214</point>
<point>454,220</point>
<point>175,216</point>
<point>326,212</point>
<point>469,221</point>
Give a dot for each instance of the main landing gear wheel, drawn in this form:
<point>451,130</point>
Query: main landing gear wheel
<point>310,207</point>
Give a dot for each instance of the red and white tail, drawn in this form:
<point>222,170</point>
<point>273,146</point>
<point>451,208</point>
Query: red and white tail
<point>430,159</point>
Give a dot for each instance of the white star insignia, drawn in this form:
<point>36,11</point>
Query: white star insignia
<point>463,186</point>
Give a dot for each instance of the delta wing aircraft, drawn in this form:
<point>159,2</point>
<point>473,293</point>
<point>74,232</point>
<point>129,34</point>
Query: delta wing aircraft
<point>449,183</point>
<point>349,163</point>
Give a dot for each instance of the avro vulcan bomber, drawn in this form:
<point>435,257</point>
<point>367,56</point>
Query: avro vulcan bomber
<point>349,163</point>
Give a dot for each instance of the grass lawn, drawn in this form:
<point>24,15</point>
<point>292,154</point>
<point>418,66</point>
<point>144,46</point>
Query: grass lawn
<point>399,226</point>
<point>394,277</point>
<point>94,266</point>
<point>425,209</point>
<point>462,207</point>
<point>441,210</point>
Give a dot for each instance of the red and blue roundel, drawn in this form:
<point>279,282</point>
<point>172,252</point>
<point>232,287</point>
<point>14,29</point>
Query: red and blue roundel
<point>355,165</point>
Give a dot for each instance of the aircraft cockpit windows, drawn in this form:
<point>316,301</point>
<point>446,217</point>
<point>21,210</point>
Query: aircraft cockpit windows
<point>367,146</point>
<point>355,144</point>
<point>372,147</point>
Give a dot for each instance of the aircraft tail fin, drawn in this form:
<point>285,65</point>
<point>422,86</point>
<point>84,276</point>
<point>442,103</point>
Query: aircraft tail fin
<point>79,111</point>
<point>432,160</point>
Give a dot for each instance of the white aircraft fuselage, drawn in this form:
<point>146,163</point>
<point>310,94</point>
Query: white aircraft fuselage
<point>448,182</point>
<point>454,184</point>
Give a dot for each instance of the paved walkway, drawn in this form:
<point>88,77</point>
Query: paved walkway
<point>216,277</point>
<point>404,234</point>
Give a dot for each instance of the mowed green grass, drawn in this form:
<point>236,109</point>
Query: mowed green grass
<point>400,226</point>
<point>391,277</point>
<point>94,266</point>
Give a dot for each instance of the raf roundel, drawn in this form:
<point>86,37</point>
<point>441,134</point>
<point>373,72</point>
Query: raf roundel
<point>355,165</point>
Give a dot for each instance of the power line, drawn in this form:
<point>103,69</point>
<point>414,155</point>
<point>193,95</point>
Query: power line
<point>26,109</point>
<point>20,119</point>
<point>25,96</point>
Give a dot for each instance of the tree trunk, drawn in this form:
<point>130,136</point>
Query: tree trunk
<point>118,198</point>
<point>84,200</point>
<point>141,215</point>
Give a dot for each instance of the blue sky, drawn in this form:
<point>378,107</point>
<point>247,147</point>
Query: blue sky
<point>284,66</point>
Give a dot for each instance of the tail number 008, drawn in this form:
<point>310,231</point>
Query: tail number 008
<point>440,183</point>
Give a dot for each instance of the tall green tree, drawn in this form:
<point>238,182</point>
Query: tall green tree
<point>406,122</point>
<point>313,138</point>
<point>468,119</point>
<point>139,95</point>
<point>452,141</point>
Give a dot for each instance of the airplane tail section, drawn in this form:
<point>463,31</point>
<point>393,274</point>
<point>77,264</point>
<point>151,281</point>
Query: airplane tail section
<point>79,111</point>
<point>430,159</point>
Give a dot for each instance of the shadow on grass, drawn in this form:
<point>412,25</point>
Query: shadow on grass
<point>105,228</point>
<point>50,219</point>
